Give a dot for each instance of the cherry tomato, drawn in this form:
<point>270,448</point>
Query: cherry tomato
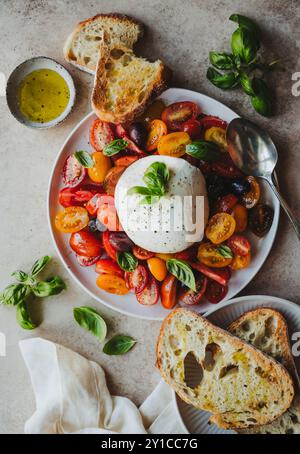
<point>251,198</point>
<point>178,113</point>
<point>192,127</point>
<point>85,243</point>
<point>239,245</point>
<point>226,203</point>
<point>164,257</point>
<point>173,144</point>
<point>101,166</point>
<point>107,215</point>
<point>210,255</point>
<point>150,294</point>
<point>108,266</point>
<point>138,279</point>
<point>137,131</point>
<point>101,134</point>
<point>71,197</point>
<point>240,214</point>
<point>220,227</point>
<point>220,275</point>
<point>122,134</point>
<point>225,167</point>
<point>111,179</point>
<point>153,111</point>
<point>188,254</point>
<point>261,218</point>
<point>188,297</point>
<point>71,219</point>
<point>86,261</point>
<point>125,161</point>
<point>157,268</point>
<point>168,291</point>
<point>73,172</point>
<point>215,292</point>
<point>157,129</point>
<point>142,254</point>
<point>98,199</point>
<point>109,249</point>
<point>112,283</point>
<point>216,135</point>
<point>120,241</point>
<point>209,121</point>
<point>240,261</point>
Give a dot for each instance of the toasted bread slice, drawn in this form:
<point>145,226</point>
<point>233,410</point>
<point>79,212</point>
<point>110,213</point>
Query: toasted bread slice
<point>82,46</point>
<point>125,84</point>
<point>240,385</point>
<point>267,329</point>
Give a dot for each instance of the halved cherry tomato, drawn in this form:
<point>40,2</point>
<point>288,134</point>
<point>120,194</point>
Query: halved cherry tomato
<point>188,254</point>
<point>111,179</point>
<point>188,297</point>
<point>73,172</point>
<point>225,167</point>
<point>112,283</point>
<point>210,255</point>
<point>220,227</point>
<point>127,279</point>
<point>220,275</point>
<point>168,291</point>
<point>178,113</point>
<point>192,127</point>
<point>101,166</point>
<point>260,220</point>
<point>107,215</point>
<point>251,198</point>
<point>94,203</point>
<point>109,249</point>
<point>157,268</point>
<point>216,135</point>
<point>215,292</point>
<point>239,245</point>
<point>157,129</point>
<point>122,133</point>
<point>138,279</point>
<point>71,219</point>
<point>226,203</point>
<point>150,294</point>
<point>240,261</point>
<point>153,111</point>
<point>71,197</point>
<point>142,254</point>
<point>240,214</point>
<point>173,144</point>
<point>164,257</point>
<point>109,267</point>
<point>101,134</point>
<point>209,121</point>
<point>85,243</point>
<point>126,161</point>
<point>86,261</point>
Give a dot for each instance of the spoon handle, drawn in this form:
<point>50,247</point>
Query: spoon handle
<point>295,223</point>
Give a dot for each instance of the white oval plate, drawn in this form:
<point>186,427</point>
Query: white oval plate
<point>195,421</point>
<point>85,277</point>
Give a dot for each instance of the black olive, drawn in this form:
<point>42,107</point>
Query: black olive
<point>216,186</point>
<point>138,133</point>
<point>240,186</point>
<point>260,219</point>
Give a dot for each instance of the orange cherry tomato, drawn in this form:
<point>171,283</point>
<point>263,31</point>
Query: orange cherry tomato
<point>157,268</point>
<point>240,261</point>
<point>111,179</point>
<point>173,144</point>
<point>216,135</point>
<point>112,283</point>
<point>165,257</point>
<point>71,219</point>
<point>157,129</point>
<point>220,227</point>
<point>168,291</point>
<point>101,166</point>
<point>126,161</point>
<point>210,255</point>
<point>240,215</point>
<point>251,198</point>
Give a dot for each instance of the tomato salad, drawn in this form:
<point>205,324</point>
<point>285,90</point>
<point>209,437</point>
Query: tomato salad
<point>96,236</point>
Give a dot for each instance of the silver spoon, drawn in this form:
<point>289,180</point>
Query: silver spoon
<point>253,151</point>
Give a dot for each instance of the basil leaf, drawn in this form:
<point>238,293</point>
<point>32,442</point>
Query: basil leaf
<point>118,345</point>
<point>39,265</point>
<point>115,147</point>
<point>224,81</point>
<point>139,190</point>
<point>225,251</point>
<point>204,150</point>
<point>156,177</point>
<point>183,271</point>
<point>127,261</point>
<point>90,320</point>
<point>52,286</point>
<point>222,60</point>
<point>13,294</point>
<point>84,158</point>
<point>149,200</point>
<point>262,99</point>
<point>244,44</point>
<point>246,83</point>
<point>20,276</point>
<point>248,23</point>
<point>23,317</point>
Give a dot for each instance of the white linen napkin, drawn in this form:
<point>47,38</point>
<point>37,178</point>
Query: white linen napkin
<point>72,397</point>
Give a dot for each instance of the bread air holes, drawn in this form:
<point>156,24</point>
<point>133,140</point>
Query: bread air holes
<point>213,352</point>
<point>228,371</point>
<point>117,53</point>
<point>193,372</point>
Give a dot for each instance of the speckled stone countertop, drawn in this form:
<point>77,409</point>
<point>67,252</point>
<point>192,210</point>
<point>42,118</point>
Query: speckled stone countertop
<point>180,32</point>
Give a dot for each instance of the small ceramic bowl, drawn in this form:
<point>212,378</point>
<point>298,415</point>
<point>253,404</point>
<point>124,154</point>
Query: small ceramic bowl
<point>20,72</point>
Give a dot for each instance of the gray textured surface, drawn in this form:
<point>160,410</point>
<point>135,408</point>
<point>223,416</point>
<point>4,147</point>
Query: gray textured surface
<point>181,32</point>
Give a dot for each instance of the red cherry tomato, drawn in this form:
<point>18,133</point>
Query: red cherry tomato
<point>138,279</point>
<point>108,266</point>
<point>225,167</point>
<point>178,113</point>
<point>192,127</point>
<point>86,261</point>
<point>168,291</point>
<point>101,134</point>
<point>188,254</point>
<point>142,254</point>
<point>209,121</point>
<point>120,241</point>
<point>150,294</point>
<point>73,172</point>
<point>188,297</point>
<point>69,197</point>
<point>239,245</point>
<point>85,243</point>
<point>109,249</point>
<point>220,275</point>
<point>215,292</point>
<point>226,204</point>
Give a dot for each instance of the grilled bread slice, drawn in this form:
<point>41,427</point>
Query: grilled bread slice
<point>240,385</point>
<point>125,84</point>
<point>267,330</point>
<point>82,46</point>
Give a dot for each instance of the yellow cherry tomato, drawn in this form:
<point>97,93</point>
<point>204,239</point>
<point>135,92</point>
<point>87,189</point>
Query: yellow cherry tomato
<point>165,257</point>
<point>173,144</point>
<point>112,283</point>
<point>210,255</point>
<point>71,219</point>
<point>240,214</point>
<point>158,268</point>
<point>216,135</point>
<point>220,227</point>
<point>240,261</point>
<point>101,166</point>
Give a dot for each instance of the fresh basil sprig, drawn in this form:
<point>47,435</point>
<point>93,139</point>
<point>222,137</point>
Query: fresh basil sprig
<point>225,251</point>
<point>23,317</point>
<point>127,261</point>
<point>262,99</point>
<point>224,81</point>
<point>244,45</point>
<point>222,60</point>
<point>204,150</point>
<point>156,178</point>
<point>118,345</point>
<point>182,271</point>
<point>84,158</point>
<point>115,147</point>
<point>90,320</point>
